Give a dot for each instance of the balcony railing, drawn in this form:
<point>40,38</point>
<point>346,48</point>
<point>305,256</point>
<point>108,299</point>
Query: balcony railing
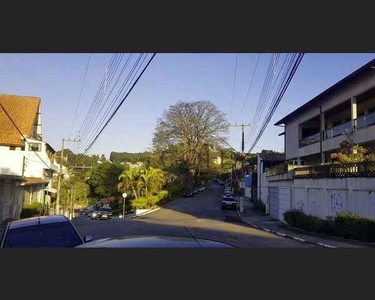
<point>337,130</point>
<point>366,120</point>
<point>279,169</point>
<point>362,169</point>
<point>309,140</point>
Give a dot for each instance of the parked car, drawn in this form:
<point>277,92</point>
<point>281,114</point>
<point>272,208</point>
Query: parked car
<point>155,242</point>
<point>103,213</point>
<point>45,231</point>
<point>228,202</point>
<point>196,191</point>
<point>188,195</point>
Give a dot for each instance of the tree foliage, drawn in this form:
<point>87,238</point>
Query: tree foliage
<point>103,179</point>
<point>352,153</point>
<point>186,130</point>
<point>123,157</point>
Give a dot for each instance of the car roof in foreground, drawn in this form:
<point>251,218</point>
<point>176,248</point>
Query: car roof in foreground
<point>154,242</point>
<point>37,220</point>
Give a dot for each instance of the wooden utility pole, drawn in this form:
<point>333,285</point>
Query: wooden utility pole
<point>60,172</point>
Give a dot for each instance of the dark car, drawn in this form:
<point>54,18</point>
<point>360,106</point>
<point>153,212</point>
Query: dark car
<point>188,195</point>
<point>155,242</point>
<point>46,231</point>
<point>228,201</point>
<point>104,213</point>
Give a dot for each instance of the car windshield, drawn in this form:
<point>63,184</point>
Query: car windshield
<point>105,209</point>
<point>46,235</point>
<point>229,199</point>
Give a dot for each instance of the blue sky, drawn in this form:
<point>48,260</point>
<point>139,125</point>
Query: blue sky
<point>57,80</point>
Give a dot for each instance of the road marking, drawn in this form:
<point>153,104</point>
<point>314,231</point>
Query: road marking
<point>280,234</point>
<point>326,246</point>
<point>298,239</point>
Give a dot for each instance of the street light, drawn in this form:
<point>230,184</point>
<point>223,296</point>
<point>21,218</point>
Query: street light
<point>124,195</point>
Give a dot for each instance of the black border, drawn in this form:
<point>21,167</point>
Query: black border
<point>157,272</point>
<point>188,27</point>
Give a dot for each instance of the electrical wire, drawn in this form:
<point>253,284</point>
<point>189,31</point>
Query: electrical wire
<point>119,92</point>
<point>120,104</point>
<point>80,94</point>
<point>99,105</point>
<point>248,90</point>
<point>278,98</point>
<point>234,85</point>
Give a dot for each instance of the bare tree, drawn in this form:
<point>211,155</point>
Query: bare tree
<point>190,127</point>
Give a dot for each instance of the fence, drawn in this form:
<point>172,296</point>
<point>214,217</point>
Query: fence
<point>360,169</point>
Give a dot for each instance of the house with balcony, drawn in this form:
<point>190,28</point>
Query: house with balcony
<point>309,180</point>
<point>345,111</point>
<point>27,163</point>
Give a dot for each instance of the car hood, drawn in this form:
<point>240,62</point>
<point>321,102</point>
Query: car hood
<point>154,242</point>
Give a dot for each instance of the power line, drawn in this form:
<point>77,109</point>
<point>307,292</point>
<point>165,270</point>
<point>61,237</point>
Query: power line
<point>23,138</point>
<point>118,94</point>
<point>278,98</point>
<point>118,107</point>
<point>234,85</point>
<point>80,94</point>
<point>248,90</point>
<point>113,69</point>
<point>95,99</point>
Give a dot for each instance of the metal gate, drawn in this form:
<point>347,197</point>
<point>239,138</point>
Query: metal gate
<point>274,202</point>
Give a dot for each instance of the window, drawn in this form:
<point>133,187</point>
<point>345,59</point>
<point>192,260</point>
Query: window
<point>60,234</point>
<point>35,147</point>
<point>12,148</point>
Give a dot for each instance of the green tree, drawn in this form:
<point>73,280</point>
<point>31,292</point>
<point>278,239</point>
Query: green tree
<point>350,153</point>
<point>130,181</point>
<point>153,179</point>
<point>187,128</point>
<point>103,179</point>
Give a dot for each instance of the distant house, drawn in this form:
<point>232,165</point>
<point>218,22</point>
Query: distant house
<point>24,177</point>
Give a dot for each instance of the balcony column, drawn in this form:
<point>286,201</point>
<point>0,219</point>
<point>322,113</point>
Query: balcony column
<point>322,128</point>
<point>354,112</point>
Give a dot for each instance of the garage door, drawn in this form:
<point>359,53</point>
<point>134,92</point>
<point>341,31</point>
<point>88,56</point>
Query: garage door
<point>284,201</point>
<point>274,202</point>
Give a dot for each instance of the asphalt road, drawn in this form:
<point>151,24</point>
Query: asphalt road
<point>200,216</point>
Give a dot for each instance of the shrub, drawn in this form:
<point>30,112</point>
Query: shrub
<point>348,225</point>
<point>140,203</point>
<point>31,210</point>
<point>116,212</point>
<point>162,194</point>
<point>259,205</point>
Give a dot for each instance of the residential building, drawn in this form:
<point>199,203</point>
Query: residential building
<point>27,162</point>
<point>345,111</point>
<point>309,180</point>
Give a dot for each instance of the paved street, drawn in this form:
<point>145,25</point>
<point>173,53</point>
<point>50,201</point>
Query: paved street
<point>200,216</point>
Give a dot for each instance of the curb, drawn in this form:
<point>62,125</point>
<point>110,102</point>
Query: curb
<point>286,235</point>
<point>153,210</point>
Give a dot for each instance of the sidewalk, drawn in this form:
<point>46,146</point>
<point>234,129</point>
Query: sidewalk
<point>265,222</point>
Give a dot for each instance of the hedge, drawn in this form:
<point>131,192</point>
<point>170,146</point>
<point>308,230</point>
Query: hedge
<point>346,225</point>
<point>31,210</point>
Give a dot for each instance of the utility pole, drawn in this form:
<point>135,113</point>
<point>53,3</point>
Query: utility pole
<point>242,147</point>
<point>60,172</point>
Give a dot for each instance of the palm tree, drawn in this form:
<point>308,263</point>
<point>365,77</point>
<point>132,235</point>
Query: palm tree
<point>129,179</point>
<point>153,179</point>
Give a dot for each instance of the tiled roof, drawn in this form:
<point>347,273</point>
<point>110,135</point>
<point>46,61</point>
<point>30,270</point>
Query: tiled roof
<point>23,110</point>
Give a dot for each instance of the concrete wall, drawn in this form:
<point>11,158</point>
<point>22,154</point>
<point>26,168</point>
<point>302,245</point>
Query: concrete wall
<point>11,161</point>
<point>10,198</point>
<point>326,197</point>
